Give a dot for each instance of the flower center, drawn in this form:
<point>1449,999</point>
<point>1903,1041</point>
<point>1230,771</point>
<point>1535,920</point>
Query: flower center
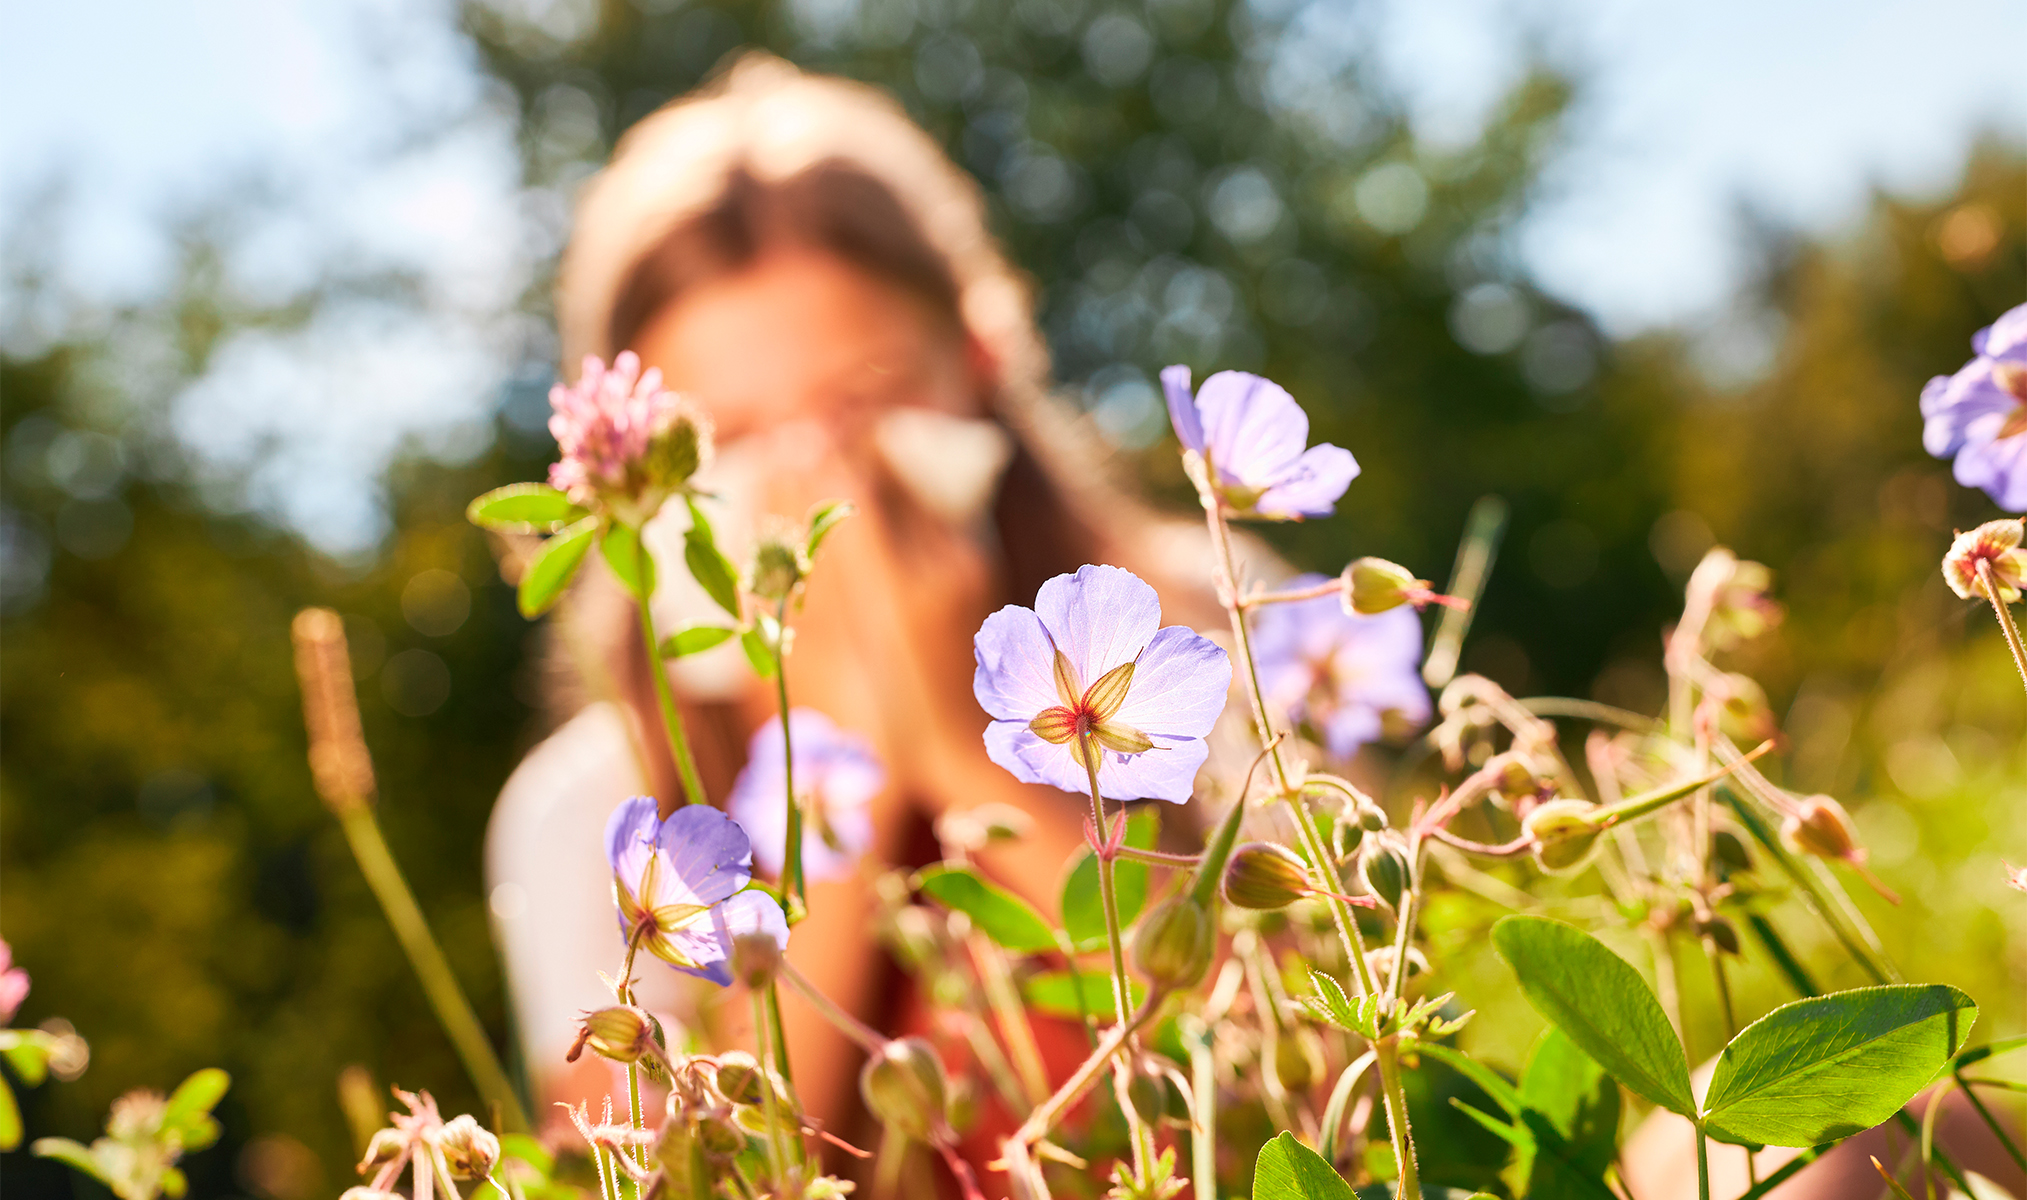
<point>2012,377</point>
<point>1087,715</point>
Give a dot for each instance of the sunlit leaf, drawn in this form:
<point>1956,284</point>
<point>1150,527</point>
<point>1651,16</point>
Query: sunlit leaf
<point>1601,1002</point>
<point>708,564</point>
<point>695,639</point>
<point>1055,993</point>
<point>1574,1095</point>
<point>758,653</point>
<point>628,557</point>
<point>1289,1170</point>
<point>552,568</point>
<point>523,508</point>
<point>69,1153</point>
<point>995,912</point>
<point>1830,1066</point>
<point>822,519</point>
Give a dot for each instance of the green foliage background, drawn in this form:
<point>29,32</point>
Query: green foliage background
<point>169,880</point>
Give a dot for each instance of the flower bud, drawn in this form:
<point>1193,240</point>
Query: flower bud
<point>1515,777</point>
<point>904,1086</point>
<point>740,1079</point>
<point>755,956</point>
<point>1821,827</point>
<point>1173,945</point>
<point>720,1133</point>
<point>621,1033</point>
<point>1722,933</point>
<point>1298,1059</point>
<point>1742,709</point>
<point>1383,865</point>
<point>779,567</point>
<point>468,1150</point>
<point>962,1109</point>
<point>1374,585</point>
<point>1563,834</point>
<point>1148,1094</point>
<point>1371,818</point>
<point>1264,875</point>
<point>1346,836</point>
<point>1728,855</point>
<point>679,450</point>
<point>385,1147</point>
<point>1996,545</point>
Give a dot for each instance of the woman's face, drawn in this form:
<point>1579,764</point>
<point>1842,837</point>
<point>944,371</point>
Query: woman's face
<point>802,335</point>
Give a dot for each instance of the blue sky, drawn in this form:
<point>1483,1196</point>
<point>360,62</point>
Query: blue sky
<point>367,120</point>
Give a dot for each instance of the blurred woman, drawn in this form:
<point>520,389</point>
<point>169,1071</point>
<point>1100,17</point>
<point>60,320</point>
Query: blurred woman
<point>803,262</point>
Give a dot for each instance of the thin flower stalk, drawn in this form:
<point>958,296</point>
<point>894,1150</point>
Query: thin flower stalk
<point>672,717</point>
<point>1313,846</point>
<point>792,883</point>
<point>2004,613</point>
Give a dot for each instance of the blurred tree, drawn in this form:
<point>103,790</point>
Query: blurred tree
<point>167,876</point>
<point>1225,185</point>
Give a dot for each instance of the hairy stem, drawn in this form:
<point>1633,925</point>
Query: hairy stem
<point>1386,1053</point>
<point>2005,616</point>
<point>1044,1118</point>
<point>672,719</point>
<point>1122,988</point>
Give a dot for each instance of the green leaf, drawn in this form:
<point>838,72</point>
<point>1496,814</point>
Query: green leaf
<point>998,914</point>
<point>1601,1002</point>
<point>174,1184</point>
<point>695,639</point>
<point>10,1119</point>
<point>708,564</point>
<point>528,1150</point>
<point>70,1153</point>
<point>628,559</point>
<point>822,519</point>
<point>1084,908</point>
<point>1574,1095</point>
<point>190,1105</point>
<point>554,566</point>
<point>1824,1068</point>
<point>1289,1170</point>
<point>523,508</point>
<point>758,653</point>
<point>27,1051</point>
<point>1330,1004</point>
<point>1054,993</point>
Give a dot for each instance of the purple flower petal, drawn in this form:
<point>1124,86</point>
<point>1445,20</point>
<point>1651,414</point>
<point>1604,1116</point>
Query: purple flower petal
<point>1182,411</point>
<point>2003,336</point>
<point>1254,429</point>
<point>1340,672</point>
<point>835,772</point>
<point>1016,675</point>
<point>630,836</point>
<point>1099,618</point>
<point>1167,772</point>
<point>1995,464</point>
<point>1311,489</point>
<point>708,943</point>
<point>1179,685</point>
<point>709,854</point>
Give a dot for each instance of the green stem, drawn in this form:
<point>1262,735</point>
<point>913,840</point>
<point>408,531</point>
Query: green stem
<point>763,1041</point>
<point>2005,616</point>
<point>1702,1165</point>
<point>791,871</point>
<point>453,1011</point>
<point>1992,1123</point>
<point>1122,990</point>
<point>1386,1054</point>
<point>865,1035</point>
<point>672,719</point>
<point>1203,1081</point>
<point>1313,845</point>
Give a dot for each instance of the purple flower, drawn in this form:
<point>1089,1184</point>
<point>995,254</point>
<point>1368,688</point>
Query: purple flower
<point>1251,434</point>
<point>1338,671</point>
<point>623,438</point>
<point>1979,414</point>
<point>836,776</point>
<point>679,886</point>
<point>1088,664</point>
<point>13,984</point>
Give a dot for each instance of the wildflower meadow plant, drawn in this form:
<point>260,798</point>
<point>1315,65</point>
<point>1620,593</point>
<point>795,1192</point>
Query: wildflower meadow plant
<point>1978,416</point>
<point>1258,989</point>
